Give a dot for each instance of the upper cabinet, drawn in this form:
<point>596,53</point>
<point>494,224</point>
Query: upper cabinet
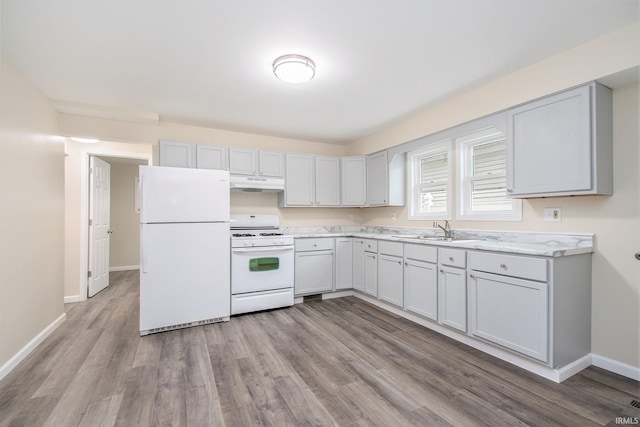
<point>176,154</point>
<point>271,164</point>
<point>353,181</point>
<point>327,181</point>
<point>211,157</point>
<point>190,155</point>
<point>256,163</point>
<point>561,145</point>
<point>311,181</point>
<point>385,179</point>
<point>299,184</point>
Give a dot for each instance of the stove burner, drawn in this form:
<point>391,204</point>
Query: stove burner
<point>271,234</point>
<point>243,235</point>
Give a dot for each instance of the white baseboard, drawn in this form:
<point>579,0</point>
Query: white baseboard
<point>614,366</point>
<point>31,345</point>
<point>125,268</point>
<point>73,298</point>
<point>574,367</point>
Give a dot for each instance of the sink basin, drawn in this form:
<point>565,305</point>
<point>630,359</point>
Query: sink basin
<point>431,238</point>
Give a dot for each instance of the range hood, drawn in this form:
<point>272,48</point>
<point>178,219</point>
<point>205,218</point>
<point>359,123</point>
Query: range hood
<point>255,184</point>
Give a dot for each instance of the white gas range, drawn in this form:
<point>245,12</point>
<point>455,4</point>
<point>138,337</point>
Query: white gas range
<point>262,261</point>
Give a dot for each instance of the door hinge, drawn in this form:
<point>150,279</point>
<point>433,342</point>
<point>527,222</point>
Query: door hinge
<point>90,221</point>
<point>89,273</point>
<point>90,171</point>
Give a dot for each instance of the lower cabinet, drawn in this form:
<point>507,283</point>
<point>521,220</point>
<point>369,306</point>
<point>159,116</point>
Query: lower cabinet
<point>390,272</point>
<point>358,264</point>
<point>314,266</point>
<point>421,288</point>
<point>371,273</point>
<point>344,263</point>
<point>452,298</point>
<point>510,312</point>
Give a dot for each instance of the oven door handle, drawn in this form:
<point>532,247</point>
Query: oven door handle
<point>263,249</point>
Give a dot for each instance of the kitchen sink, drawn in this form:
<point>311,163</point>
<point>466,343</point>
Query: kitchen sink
<point>432,238</point>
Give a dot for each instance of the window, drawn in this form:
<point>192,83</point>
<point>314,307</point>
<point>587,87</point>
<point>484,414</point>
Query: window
<point>482,181</point>
<point>430,196</point>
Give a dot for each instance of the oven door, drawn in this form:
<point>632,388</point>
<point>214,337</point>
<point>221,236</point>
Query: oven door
<point>261,269</point>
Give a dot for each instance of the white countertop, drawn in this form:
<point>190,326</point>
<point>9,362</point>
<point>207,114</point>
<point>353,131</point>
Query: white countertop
<point>526,243</point>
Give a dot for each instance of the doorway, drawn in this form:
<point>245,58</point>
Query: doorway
<point>77,208</point>
<point>114,240</point>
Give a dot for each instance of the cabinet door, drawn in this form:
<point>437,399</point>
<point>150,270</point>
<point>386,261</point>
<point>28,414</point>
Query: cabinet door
<point>354,181</point>
<point>377,179</point>
<point>510,312</point>
<point>327,181</point>
<point>243,161</point>
<point>371,273</point>
<point>176,154</point>
<point>313,272</point>
<point>390,274</point>
<point>211,157</point>
<point>549,145</point>
<point>421,288</point>
<point>299,182</point>
<point>452,298</point>
<point>344,263</point>
<point>271,164</point>
<point>358,264</point>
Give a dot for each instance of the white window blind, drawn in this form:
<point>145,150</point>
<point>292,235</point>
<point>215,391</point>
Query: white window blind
<point>434,179</point>
<point>482,182</point>
<point>431,182</point>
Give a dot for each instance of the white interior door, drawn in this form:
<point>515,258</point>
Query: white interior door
<point>99,224</point>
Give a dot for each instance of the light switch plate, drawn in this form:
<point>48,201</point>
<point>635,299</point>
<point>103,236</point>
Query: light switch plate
<point>553,214</point>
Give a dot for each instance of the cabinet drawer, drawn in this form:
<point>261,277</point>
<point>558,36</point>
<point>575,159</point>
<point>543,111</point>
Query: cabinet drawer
<point>421,252</point>
<point>509,265</point>
<point>452,257</point>
<point>390,248</point>
<point>370,245</point>
<point>319,244</point>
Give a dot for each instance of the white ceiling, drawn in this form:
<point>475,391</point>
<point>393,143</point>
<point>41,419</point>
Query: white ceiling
<point>208,62</point>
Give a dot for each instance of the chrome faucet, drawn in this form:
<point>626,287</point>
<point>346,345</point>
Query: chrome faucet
<point>446,229</point>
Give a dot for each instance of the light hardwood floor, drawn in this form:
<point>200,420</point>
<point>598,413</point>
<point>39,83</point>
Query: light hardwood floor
<point>336,362</point>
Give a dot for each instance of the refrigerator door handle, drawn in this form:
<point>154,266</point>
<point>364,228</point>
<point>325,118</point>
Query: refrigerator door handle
<point>143,258</point>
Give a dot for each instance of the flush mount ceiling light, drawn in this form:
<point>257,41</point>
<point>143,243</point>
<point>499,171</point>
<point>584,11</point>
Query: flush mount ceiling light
<point>294,68</point>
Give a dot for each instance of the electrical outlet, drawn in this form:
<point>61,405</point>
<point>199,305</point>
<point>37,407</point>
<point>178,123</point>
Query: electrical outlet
<point>552,214</point>
<point>350,217</point>
<point>393,216</point>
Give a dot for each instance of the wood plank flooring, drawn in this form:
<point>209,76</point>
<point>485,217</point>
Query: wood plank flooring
<point>339,362</point>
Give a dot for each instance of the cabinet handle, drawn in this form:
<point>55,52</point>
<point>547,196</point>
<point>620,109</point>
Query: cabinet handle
<point>451,258</point>
<point>441,271</point>
<point>399,262</point>
<point>503,265</point>
<point>314,245</point>
<point>374,257</point>
<point>406,264</point>
<point>509,190</point>
<point>473,276</point>
<point>638,256</point>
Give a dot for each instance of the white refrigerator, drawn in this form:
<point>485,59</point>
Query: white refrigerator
<point>184,248</point>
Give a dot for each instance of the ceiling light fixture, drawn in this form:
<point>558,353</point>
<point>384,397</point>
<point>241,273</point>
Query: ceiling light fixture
<point>294,68</point>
